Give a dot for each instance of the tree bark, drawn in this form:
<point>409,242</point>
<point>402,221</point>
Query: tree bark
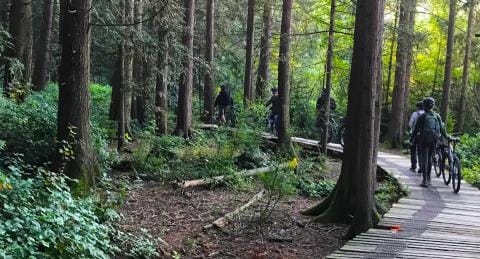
<point>329,70</point>
<point>161,88</point>
<point>437,66</point>
<point>20,29</point>
<point>408,70</point>
<point>353,194</point>
<point>184,112</point>
<point>116,82</point>
<point>4,14</point>
<point>263,72</point>
<point>74,99</point>
<point>208,91</point>
<point>390,61</point>
<point>405,31</point>
<point>138,101</point>
<point>447,79</point>
<point>284,75</point>
<point>40,72</point>
<point>120,117</point>
<point>459,126</point>
<point>128,65</point>
<point>248,91</point>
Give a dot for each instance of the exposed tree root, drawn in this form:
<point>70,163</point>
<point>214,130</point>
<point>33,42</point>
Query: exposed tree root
<point>321,207</point>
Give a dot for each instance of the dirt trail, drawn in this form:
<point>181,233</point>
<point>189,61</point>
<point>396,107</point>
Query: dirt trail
<point>178,219</point>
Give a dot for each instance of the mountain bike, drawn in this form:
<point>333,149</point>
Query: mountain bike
<point>336,129</point>
<point>451,168</point>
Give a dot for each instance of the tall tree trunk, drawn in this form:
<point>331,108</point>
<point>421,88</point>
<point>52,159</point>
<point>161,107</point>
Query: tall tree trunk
<point>116,83</point>
<point>437,67</point>
<point>466,62</point>
<point>447,80</point>
<point>121,96</point>
<point>208,91</point>
<point>161,87</point>
<point>284,75</point>
<point>20,29</point>
<point>326,115</point>
<point>138,101</point>
<point>263,72</point>
<point>405,31</point>
<point>128,65</point>
<point>161,92</point>
<point>390,61</point>
<point>4,14</point>
<point>184,112</point>
<point>353,195</point>
<point>40,71</point>
<point>248,91</point>
<point>408,69</point>
<point>74,99</point>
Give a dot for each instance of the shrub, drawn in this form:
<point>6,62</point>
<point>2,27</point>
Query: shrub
<point>40,218</point>
<point>29,128</point>
<point>468,149</point>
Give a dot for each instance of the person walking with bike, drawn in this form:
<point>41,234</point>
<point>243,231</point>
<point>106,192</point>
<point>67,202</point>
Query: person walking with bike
<point>414,145</point>
<point>428,130</point>
<point>224,102</point>
<point>275,109</point>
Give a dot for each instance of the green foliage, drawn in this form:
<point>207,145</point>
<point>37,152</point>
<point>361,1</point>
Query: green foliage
<point>40,218</point>
<point>389,192</point>
<point>29,128</point>
<point>210,153</point>
<point>316,189</point>
<point>468,149</point>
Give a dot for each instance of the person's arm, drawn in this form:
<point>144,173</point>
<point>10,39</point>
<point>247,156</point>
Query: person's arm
<point>443,129</point>
<point>216,101</point>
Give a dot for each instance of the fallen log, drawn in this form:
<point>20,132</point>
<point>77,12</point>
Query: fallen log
<point>222,178</point>
<point>223,221</point>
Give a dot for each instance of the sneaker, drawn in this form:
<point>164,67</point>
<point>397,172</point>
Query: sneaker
<point>413,169</point>
<point>424,184</point>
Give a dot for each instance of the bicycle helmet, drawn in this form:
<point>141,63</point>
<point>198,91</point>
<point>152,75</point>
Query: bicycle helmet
<point>428,103</point>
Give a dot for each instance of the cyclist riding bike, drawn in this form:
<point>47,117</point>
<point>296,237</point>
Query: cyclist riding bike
<point>275,109</point>
<point>428,130</point>
<point>224,102</point>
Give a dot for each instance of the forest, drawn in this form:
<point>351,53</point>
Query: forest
<point>232,128</point>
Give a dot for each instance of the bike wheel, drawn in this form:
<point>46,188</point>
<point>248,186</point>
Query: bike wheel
<point>456,173</point>
<point>446,174</point>
<point>437,156</point>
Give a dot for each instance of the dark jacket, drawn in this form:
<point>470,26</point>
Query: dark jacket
<point>223,99</point>
<point>275,105</point>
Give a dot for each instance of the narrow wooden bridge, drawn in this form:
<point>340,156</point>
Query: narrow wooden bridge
<point>433,222</point>
<point>430,222</point>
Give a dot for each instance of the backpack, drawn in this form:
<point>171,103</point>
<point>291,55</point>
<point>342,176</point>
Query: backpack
<point>430,132</point>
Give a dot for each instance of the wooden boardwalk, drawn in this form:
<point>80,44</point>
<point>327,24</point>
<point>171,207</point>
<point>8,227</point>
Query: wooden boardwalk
<point>434,222</point>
